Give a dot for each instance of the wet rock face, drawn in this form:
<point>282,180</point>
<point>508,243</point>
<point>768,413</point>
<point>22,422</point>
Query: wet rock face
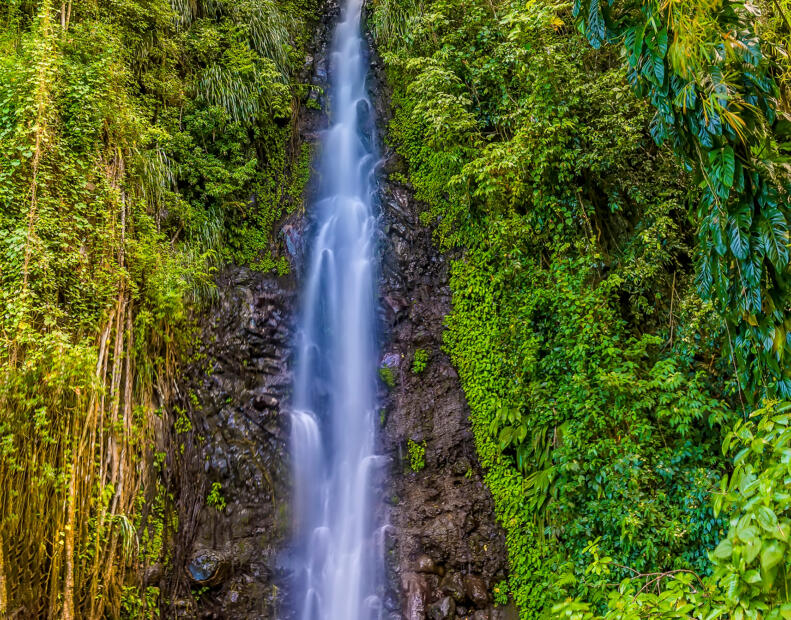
<point>448,551</point>
<point>236,393</point>
<point>234,493</point>
<point>238,463</point>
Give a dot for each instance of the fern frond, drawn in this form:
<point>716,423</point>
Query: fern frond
<point>267,30</point>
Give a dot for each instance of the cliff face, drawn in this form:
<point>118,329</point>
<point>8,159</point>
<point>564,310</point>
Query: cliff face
<point>234,499</point>
<point>233,487</point>
<point>445,552</point>
<point>448,553</point>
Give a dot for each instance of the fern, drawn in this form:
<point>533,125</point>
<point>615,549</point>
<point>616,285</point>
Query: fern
<point>242,91</point>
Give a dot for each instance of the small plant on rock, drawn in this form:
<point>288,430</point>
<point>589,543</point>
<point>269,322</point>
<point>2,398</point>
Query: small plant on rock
<point>500,593</point>
<point>388,376</point>
<point>182,423</point>
<point>419,361</point>
<point>417,454</point>
<point>215,497</point>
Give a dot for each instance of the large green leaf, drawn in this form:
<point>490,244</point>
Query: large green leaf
<point>767,519</point>
<point>723,550</point>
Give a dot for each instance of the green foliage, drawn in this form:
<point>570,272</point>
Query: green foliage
<point>500,593</point>
<point>599,382</point>
<point>387,375</point>
<point>659,595</point>
<point>419,361</point>
<point>215,497</point>
<point>137,605</point>
<point>703,70</point>
<point>182,423</point>
<point>417,455</point>
<point>751,564</point>
<point>300,176</point>
<point>774,31</point>
<point>142,143</point>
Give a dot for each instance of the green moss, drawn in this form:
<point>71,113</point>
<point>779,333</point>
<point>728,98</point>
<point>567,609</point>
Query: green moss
<point>300,176</point>
<point>387,375</point>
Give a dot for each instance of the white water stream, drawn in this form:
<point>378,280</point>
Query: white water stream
<point>338,549</point>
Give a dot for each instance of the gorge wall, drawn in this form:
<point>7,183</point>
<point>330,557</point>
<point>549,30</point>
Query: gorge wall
<point>448,552</point>
<point>445,552</point>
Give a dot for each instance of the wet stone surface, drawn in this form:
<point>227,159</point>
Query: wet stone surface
<point>447,551</point>
<point>228,561</point>
<point>234,390</point>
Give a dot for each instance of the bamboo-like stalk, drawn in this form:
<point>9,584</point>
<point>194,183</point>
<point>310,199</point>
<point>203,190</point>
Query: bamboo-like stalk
<point>3,595</point>
<point>71,509</point>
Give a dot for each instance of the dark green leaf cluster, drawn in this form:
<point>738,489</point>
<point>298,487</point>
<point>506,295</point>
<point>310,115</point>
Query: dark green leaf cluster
<point>703,71</point>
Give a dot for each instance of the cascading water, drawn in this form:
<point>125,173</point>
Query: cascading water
<point>337,550</point>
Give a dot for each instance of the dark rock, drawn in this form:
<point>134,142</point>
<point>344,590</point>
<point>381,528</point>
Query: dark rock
<point>442,609</point>
<point>414,589</point>
<point>461,466</point>
<point>265,401</point>
<point>391,360</point>
<point>152,574</point>
<point>207,567</point>
<point>453,584</point>
<point>425,564</point>
<point>239,440</point>
<point>321,70</point>
<point>397,305</point>
<point>476,590</point>
<point>293,239</point>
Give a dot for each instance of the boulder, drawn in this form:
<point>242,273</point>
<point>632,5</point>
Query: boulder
<point>476,590</point>
<point>443,609</point>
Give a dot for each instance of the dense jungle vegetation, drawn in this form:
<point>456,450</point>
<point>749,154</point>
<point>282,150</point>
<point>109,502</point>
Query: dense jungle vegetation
<point>614,177</point>
<point>142,143</point>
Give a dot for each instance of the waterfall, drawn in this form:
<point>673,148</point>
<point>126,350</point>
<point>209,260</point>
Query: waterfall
<point>338,551</point>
